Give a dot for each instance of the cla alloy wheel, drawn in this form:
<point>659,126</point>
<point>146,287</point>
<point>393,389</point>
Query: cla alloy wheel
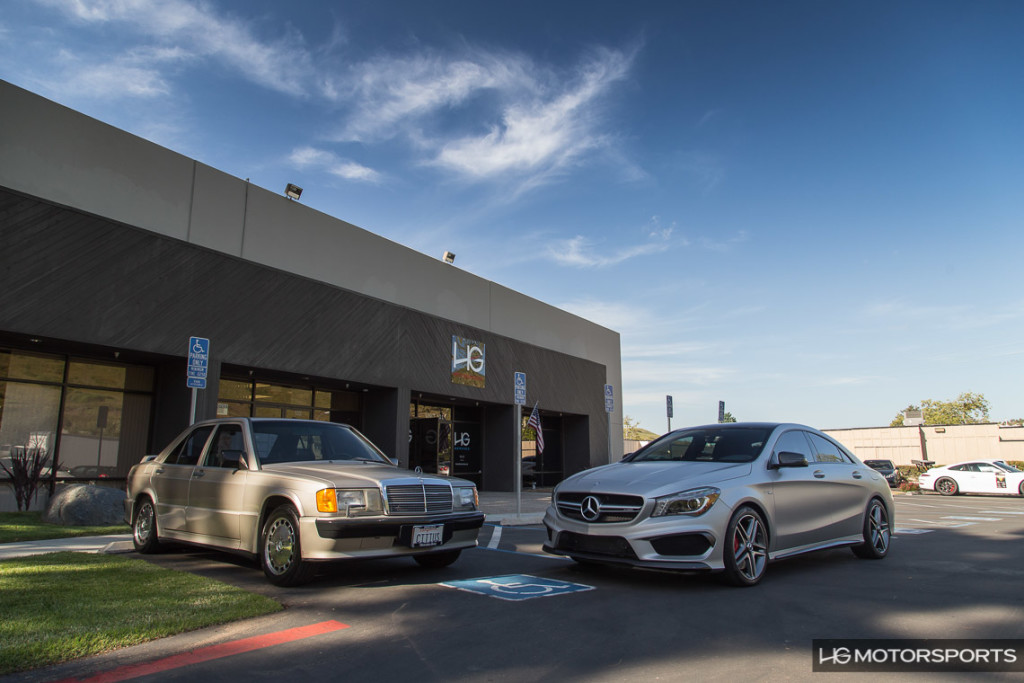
<point>746,549</point>
<point>877,533</point>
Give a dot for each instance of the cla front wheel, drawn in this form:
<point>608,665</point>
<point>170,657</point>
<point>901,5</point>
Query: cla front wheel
<point>281,549</point>
<point>877,533</point>
<point>746,548</point>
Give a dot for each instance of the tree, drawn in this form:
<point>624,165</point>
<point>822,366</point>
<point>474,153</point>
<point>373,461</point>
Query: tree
<point>967,408</point>
<point>632,431</point>
<point>727,417</point>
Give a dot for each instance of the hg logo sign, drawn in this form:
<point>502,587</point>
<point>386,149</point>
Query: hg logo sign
<point>469,362</point>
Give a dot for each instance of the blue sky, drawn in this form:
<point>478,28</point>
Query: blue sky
<point>810,210</point>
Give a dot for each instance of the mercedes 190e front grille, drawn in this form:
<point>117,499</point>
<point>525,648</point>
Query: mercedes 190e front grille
<point>419,498</point>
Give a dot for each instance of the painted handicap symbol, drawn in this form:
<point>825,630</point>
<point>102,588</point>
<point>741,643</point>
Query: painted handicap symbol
<point>518,587</point>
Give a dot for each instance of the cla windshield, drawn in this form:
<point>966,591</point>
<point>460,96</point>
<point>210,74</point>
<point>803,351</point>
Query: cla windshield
<point>288,441</point>
<point>713,444</point>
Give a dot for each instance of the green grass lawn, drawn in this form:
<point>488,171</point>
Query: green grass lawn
<point>29,526</point>
<point>63,606</point>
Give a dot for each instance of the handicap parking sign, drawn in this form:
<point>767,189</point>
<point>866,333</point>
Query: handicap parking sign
<point>518,587</point>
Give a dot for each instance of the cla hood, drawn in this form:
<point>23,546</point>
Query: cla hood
<point>653,478</point>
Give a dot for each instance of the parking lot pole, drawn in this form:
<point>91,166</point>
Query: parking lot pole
<point>518,474</point>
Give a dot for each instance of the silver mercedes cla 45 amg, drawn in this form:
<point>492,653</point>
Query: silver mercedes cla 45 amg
<point>723,497</point>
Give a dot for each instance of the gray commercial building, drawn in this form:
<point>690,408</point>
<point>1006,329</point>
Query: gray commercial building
<point>115,251</point>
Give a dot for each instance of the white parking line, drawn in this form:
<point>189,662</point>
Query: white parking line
<point>1001,512</point>
<point>977,519</point>
<point>495,538</point>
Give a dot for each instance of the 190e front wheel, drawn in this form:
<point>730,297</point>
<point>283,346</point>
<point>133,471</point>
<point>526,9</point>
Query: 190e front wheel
<point>281,549</point>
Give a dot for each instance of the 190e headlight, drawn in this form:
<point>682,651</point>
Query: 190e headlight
<point>350,501</point>
<point>466,498</point>
<point>691,503</point>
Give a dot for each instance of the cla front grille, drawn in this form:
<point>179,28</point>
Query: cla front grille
<point>599,508</point>
<point>409,499</point>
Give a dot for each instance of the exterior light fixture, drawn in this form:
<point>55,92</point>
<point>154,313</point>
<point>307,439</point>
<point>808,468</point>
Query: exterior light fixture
<point>293,191</point>
<point>449,257</point>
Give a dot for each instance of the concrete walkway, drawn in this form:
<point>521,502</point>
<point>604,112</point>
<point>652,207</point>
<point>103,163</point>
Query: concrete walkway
<point>499,507</point>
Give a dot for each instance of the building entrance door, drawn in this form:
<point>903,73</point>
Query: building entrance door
<point>432,445</point>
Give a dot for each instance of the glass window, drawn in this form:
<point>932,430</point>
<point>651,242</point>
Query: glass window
<point>825,450</point>
<point>96,375</point>
<point>235,390</point>
<point>275,393</point>
<point>191,448</point>
<point>717,444</point>
<point>30,366</point>
<point>794,442</point>
<point>228,439</point>
<point>91,432</point>
<point>28,417</point>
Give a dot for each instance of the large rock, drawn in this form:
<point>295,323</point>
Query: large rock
<point>86,505</point>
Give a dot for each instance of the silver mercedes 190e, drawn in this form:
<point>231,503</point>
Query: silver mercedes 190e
<point>293,493</point>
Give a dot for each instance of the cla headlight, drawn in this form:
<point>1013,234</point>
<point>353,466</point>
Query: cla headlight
<point>352,502</point>
<point>466,498</point>
<point>692,503</point>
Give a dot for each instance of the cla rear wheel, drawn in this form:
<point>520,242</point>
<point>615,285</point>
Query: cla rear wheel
<point>746,548</point>
<point>437,560</point>
<point>947,487</point>
<point>281,549</point>
<point>144,536</point>
<point>877,533</point>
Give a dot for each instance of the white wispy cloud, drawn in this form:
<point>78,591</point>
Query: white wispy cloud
<point>582,252</point>
<point>283,65</point>
<point>311,157</point>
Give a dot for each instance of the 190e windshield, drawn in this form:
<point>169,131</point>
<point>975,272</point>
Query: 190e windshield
<point>712,444</point>
<point>287,441</point>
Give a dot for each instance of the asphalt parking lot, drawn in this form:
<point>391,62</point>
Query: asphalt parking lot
<point>508,612</point>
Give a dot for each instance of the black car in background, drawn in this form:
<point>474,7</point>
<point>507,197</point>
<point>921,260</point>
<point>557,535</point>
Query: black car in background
<point>888,470</point>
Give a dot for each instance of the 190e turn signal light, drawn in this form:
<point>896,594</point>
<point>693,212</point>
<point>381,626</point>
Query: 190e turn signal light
<point>326,500</point>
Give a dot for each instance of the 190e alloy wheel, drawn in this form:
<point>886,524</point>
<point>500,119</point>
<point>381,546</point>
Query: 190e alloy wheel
<point>144,536</point>
<point>746,548</point>
<point>280,549</point>
<point>877,533</point>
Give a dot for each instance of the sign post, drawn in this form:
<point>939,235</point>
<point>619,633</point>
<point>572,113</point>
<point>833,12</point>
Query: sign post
<point>520,400</point>
<point>668,411</point>
<point>609,407</point>
<point>198,361</point>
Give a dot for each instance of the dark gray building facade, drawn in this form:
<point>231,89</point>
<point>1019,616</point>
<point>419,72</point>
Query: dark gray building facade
<point>115,251</point>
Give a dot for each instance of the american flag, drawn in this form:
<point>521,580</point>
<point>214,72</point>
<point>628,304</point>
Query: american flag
<point>534,422</point>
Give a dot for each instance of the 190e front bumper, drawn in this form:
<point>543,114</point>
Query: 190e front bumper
<point>331,539</point>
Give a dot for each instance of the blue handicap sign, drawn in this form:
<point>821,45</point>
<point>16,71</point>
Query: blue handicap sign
<point>518,587</point>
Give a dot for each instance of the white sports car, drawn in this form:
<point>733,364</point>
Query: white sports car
<point>976,476</point>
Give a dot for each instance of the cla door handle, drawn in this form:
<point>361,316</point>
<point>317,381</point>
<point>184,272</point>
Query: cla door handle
<point>818,474</point>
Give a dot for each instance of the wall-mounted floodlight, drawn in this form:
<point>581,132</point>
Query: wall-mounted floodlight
<point>449,257</point>
<point>293,191</point>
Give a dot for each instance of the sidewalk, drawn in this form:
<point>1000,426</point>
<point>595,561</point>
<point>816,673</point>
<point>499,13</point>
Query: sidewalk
<point>499,507</point>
